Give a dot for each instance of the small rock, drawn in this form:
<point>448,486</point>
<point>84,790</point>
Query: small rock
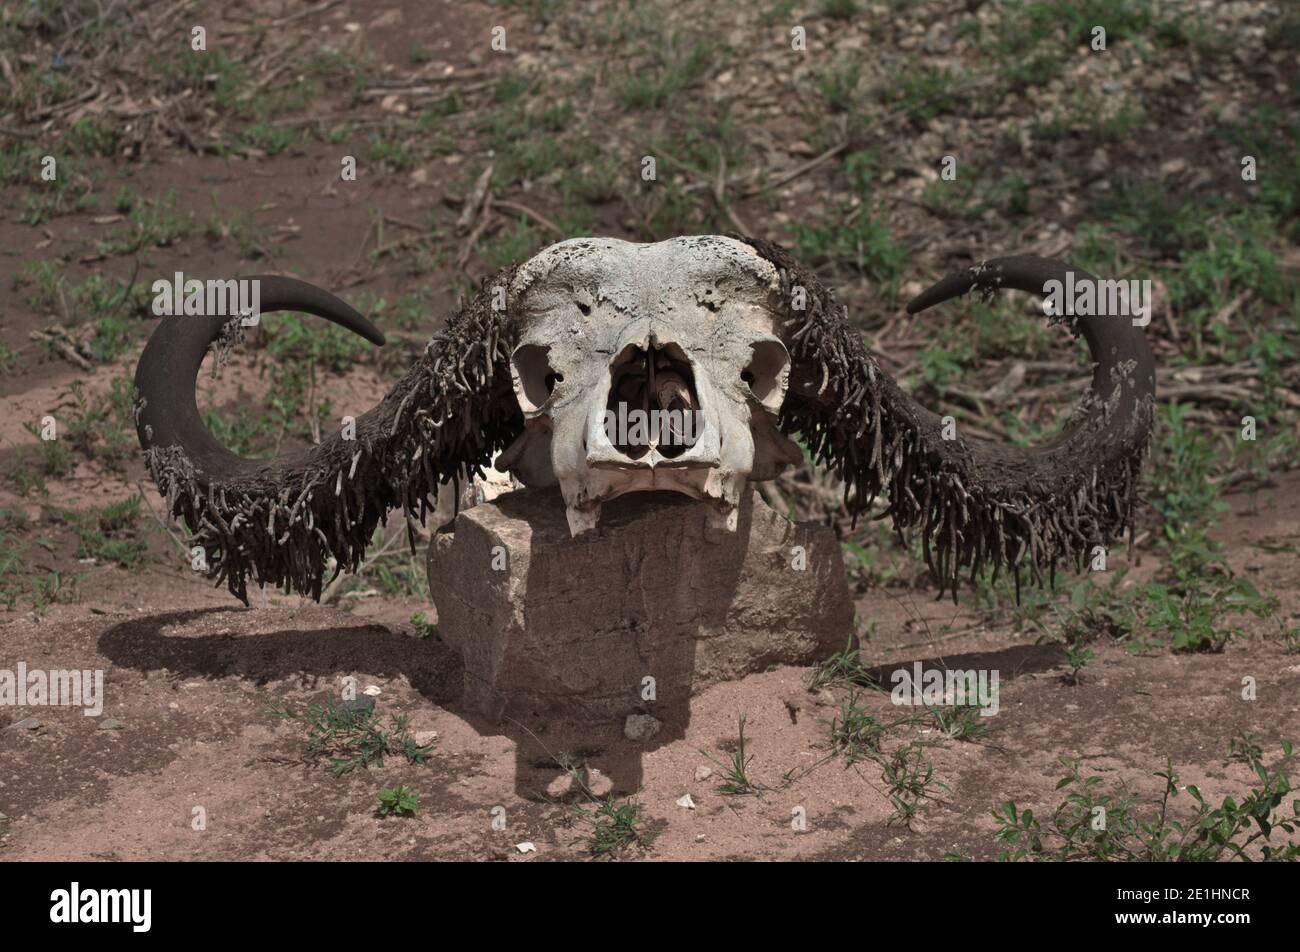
<point>372,690</point>
<point>699,837</point>
<point>579,784</point>
<point>526,847</point>
<point>640,727</point>
<point>26,724</point>
<point>686,802</point>
<point>562,787</point>
<point>703,773</point>
<point>111,724</point>
<point>425,738</point>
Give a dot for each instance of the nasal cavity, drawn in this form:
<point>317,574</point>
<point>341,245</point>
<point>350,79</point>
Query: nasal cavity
<point>652,402</point>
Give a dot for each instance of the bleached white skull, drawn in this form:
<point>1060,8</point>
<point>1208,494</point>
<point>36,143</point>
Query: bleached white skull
<point>648,367</point>
<point>551,361</point>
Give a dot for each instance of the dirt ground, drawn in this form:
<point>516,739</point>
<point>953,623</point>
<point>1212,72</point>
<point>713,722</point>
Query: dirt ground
<point>191,677</point>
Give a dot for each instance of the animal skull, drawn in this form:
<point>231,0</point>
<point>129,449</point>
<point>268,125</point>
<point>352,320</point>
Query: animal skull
<point>612,333</point>
<point>731,341</point>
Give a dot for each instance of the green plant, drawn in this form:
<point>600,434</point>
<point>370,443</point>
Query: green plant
<point>843,667</point>
<point>1193,616</point>
<point>838,85</point>
<point>924,94</point>
<point>960,721</point>
<point>424,629</point>
<point>855,733</point>
<point>352,738</point>
<point>13,569</point>
<point>616,827</point>
<point>296,353</point>
<point>1246,748</point>
<point>56,461</point>
<point>1119,826</point>
<point>861,240</point>
<point>103,429</point>
<point>397,801</point>
<point>90,135</point>
<point>908,776</point>
<point>677,64</point>
<point>735,774</point>
<point>110,534</point>
<point>54,586</point>
<point>154,222</point>
<point>1077,654</point>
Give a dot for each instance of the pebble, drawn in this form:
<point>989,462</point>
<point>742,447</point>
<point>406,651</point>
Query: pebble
<point>640,727</point>
<point>703,773</point>
<point>111,724</point>
<point>686,802</point>
<point>26,724</point>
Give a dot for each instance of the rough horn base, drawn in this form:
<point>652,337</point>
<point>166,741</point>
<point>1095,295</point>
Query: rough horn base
<point>636,616</point>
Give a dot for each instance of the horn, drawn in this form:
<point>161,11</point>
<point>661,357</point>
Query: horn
<point>974,502</point>
<point>281,520</point>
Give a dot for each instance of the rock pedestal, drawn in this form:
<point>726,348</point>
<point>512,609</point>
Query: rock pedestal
<point>573,629</point>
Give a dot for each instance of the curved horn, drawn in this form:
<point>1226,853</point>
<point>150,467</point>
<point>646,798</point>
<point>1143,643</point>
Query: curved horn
<point>974,502</point>
<point>281,520</point>
<point>165,378</point>
<point>1118,348</point>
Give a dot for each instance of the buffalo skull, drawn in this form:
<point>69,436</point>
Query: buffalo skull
<point>603,367</point>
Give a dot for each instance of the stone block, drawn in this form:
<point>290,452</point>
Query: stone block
<point>553,626</point>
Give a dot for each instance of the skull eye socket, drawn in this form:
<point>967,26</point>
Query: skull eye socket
<point>535,379</point>
<point>766,373</point>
